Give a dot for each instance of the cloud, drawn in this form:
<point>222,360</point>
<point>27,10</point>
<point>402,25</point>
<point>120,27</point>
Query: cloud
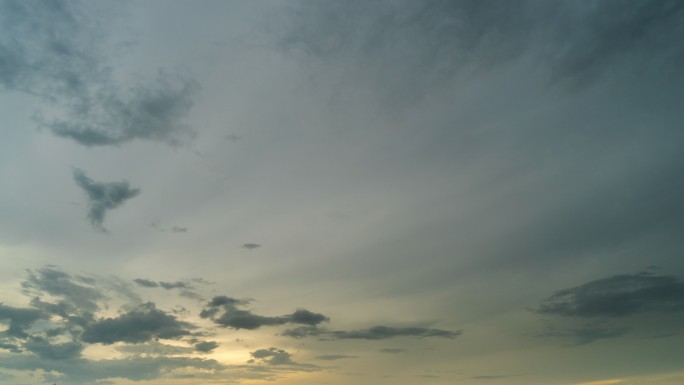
<point>333,357</point>
<point>103,196</point>
<point>406,45</point>
<point>56,351</point>
<point>618,296</point>
<point>78,293</point>
<point>55,50</point>
<point>251,246</point>
<point>86,371</point>
<point>174,285</point>
<point>224,311</point>
<point>155,348</point>
<point>587,334</point>
<point>140,325</point>
<point>374,333</point>
<point>206,346</point>
<point>278,357</point>
<point>20,319</point>
<point>145,282</point>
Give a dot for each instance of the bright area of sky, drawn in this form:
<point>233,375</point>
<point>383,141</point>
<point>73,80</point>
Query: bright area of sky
<point>342,192</point>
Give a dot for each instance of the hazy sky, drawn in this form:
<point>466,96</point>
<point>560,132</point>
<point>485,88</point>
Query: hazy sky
<point>342,192</point>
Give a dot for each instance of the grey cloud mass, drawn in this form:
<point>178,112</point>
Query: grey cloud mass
<point>224,312</point>
<point>618,296</point>
<point>140,325</point>
<point>53,50</point>
<point>103,197</point>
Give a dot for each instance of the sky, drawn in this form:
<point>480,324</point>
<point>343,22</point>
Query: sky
<point>401,192</point>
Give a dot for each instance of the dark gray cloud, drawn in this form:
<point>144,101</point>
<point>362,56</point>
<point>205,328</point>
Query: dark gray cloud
<point>174,285</point>
<point>103,196</point>
<point>140,325</point>
<point>279,357</point>
<point>251,246</point>
<point>224,311</point>
<point>273,356</point>
<point>54,351</point>
<point>54,50</point>
<point>206,346</point>
<point>374,333</point>
<point>78,293</point>
<point>145,282</point>
<point>20,319</point>
<point>586,334</point>
<point>618,296</point>
<point>333,357</point>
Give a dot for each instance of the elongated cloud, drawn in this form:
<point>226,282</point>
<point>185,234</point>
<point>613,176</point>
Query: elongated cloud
<point>618,296</point>
<point>225,311</point>
<point>103,197</point>
<point>373,333</point>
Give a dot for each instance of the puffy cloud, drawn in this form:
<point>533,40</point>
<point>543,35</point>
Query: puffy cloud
<point>140,325</point>
<point>206,346</point>
<point>103,196</point>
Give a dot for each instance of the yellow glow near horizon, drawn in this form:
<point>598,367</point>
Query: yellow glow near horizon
<point>603,382</point>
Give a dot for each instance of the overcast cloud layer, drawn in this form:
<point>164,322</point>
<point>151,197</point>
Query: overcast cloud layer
<point>387,191</point>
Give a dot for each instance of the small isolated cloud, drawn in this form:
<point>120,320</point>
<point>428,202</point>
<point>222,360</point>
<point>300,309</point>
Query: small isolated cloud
<point>206,346</point>
<point>333,357</point>
<point>225,311</point>
<point>251,246</point>
<point>374,333</point>
<point>618,296</point>
<point>103,197</point>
